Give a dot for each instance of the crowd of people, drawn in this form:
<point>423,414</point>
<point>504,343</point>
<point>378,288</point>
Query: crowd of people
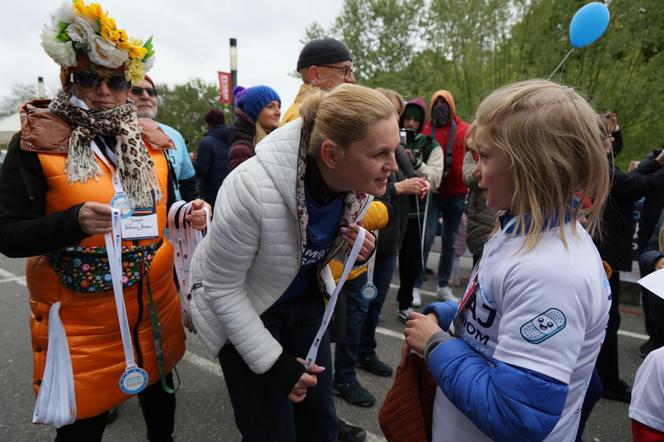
<point>522,354</point>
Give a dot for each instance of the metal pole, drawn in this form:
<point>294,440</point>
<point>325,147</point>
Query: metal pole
<point>41,90</point>
<point>233,69</point>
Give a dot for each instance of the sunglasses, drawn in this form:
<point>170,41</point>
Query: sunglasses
<point>92,80</point>
<point>138,91</point>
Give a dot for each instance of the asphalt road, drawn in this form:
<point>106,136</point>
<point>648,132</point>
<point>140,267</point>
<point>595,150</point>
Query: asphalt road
<point>204,412</point>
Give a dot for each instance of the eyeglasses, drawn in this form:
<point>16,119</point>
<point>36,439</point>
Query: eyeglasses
<point>138,91</point>
<point>92,80</point>
<point>348,70</point>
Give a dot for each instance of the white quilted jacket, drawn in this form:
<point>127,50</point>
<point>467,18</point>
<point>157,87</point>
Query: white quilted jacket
<point>253,249</point>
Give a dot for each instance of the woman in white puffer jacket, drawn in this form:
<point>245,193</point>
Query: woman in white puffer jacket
<point>279,218</point>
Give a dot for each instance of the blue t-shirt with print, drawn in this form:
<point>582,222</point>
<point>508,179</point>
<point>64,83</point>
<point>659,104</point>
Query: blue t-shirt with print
<point>321,230</point>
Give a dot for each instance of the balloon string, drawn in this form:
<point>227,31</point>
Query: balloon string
<point>561,63</point>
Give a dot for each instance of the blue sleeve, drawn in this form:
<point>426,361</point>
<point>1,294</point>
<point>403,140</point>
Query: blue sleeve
<point>445,312</point>
<point>186,167</point>
<point>183,167</point>
<point>506,403</point>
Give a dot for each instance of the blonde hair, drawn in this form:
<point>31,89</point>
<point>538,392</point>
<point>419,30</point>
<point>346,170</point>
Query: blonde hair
<point>554,147</point>
<point>341,115</point>
<point>395,97</point>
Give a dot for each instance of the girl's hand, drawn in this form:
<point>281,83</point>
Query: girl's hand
<point>419,328</point>
<point>197,217</point>
<point>350,235</point>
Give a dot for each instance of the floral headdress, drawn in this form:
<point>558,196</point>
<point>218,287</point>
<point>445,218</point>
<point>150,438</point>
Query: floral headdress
<point>88,30</point>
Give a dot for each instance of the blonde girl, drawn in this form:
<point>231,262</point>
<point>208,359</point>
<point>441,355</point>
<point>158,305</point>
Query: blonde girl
<point>513,359</point>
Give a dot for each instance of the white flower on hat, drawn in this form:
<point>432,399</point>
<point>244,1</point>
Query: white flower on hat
<point>148,64</point>
<point>65,14</point>
<point>61,52</point>
<point>80,31</point>
<point>105,53</point>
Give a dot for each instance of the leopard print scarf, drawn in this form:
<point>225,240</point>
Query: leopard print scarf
<point>135,168</point>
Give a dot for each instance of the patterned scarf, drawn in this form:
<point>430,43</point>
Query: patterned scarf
<point>135,168</point>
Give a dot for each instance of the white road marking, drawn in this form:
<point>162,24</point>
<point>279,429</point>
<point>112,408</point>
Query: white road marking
<point>8,276</point>
<point>16,279</point>
<point>633,335</point>
<point>388,332</point>
<point>425,292</point>
<point>203,363</point>
<point>374,437</point>
<point>5,274</point>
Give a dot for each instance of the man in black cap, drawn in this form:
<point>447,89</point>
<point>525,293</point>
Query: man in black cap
<point>324,63</point>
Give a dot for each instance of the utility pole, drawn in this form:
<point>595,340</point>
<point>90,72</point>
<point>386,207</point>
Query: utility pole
<point>233,69</point>
<point>41,90</point>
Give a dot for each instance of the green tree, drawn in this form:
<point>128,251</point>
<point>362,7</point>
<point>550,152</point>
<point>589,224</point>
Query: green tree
<point>20,93</point>
<point>184,106</point>
<point>471,47</point>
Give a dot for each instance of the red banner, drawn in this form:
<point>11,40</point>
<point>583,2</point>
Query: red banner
<point>225,88</point>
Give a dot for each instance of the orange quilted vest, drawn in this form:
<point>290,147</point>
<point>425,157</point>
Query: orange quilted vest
<point>90,320</point>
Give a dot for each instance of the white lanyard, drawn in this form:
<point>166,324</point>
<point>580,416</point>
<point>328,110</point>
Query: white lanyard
<point>115,174</point>
<point>329,310</point>
<point>185,239</point>
<point>134,379</point>
<point>372,263</point>
<point>423,226</point>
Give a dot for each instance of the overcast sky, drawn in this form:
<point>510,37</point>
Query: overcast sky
<point>191,38</point>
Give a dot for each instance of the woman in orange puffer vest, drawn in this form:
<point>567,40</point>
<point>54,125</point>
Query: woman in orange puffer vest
<point>74,155</point>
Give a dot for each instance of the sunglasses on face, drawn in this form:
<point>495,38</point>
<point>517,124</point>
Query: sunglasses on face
<point>138,91</point>
<point>92,80</point>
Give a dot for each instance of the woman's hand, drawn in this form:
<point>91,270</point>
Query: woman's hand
<point>197,216</point>
<point>419,328</point>
<point>308,379</point>
<point>95,218</point>
<point>350,235</point>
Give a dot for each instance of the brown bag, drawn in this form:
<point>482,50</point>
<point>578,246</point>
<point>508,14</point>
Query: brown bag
<point>406,414</point>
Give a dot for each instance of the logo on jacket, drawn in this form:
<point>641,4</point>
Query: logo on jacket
<point>543,326</point>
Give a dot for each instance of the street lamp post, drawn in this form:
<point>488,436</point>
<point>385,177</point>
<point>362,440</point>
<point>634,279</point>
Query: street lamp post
<point>233,68</point>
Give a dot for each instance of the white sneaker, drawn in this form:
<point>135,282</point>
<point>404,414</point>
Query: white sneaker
<point>445,293</point>
<point>417,297</point>
<point>404,314</point>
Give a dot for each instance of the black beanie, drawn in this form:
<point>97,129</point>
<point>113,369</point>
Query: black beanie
<point>323,51</point>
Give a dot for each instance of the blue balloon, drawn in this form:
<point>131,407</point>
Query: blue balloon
<point>588,24</point>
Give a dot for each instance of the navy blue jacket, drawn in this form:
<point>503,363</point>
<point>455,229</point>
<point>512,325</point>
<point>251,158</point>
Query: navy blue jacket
<point>212,162</point>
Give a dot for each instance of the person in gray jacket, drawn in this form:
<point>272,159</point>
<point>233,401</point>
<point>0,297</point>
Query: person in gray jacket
<point>481,219</point>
